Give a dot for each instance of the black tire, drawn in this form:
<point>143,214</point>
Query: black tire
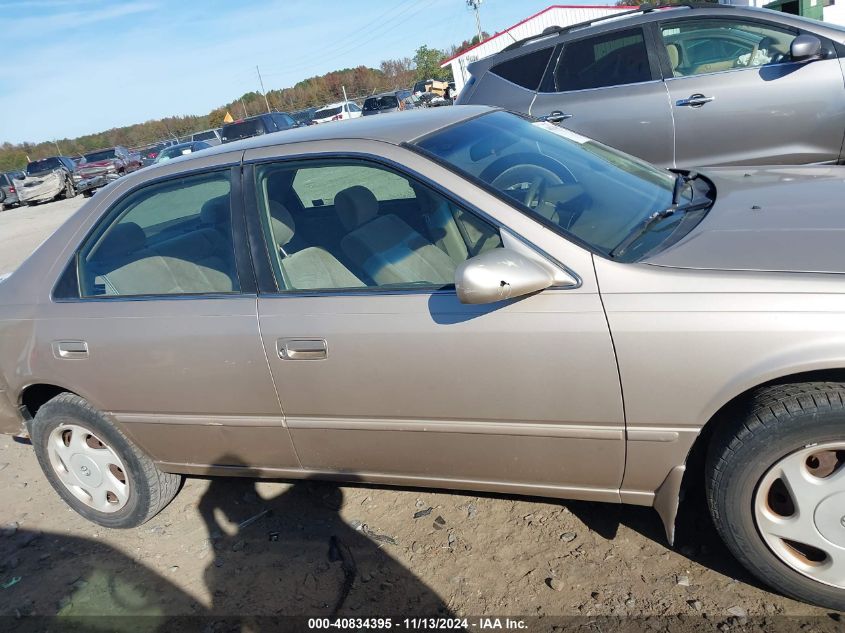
<point>70,190</point>
<point>88,193</point>
<point>776,422</point>
<point>150,489</point>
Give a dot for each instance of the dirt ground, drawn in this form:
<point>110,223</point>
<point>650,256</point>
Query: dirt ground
<point>237,547</point>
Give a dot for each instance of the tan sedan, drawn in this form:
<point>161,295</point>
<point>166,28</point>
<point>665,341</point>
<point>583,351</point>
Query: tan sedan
<point>459,298</point>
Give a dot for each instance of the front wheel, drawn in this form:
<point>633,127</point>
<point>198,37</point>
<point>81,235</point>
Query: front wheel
<point>776,489</point>
<point>95,468</point>
<point>70,190</point>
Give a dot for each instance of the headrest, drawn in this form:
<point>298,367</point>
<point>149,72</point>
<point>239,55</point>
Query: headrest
<point>355,206</point>
<point>215,211</point>
<point>674,55</point>
<point>281,223</point>
<point>121,240</point>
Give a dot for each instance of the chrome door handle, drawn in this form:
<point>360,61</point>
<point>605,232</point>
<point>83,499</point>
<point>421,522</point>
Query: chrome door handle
<point>556,117</point>
<point>302,348</point>
<point>695,101</point>
<point>70,349</point>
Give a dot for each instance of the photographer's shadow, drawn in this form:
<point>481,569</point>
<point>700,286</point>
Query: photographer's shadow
<point>293,555</point>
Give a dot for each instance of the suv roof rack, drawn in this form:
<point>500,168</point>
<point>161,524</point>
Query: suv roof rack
<point>642,9</point>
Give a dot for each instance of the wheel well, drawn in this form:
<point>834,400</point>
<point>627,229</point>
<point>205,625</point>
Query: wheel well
<point>36,395</point>
<point>698,452</point>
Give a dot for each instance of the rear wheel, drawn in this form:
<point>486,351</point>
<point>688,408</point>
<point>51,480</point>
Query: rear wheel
<point>95,468</point>
<point>776,489</point>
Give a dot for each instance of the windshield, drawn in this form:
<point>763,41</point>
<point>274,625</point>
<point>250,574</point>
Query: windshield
<point>45,164</point>
<point>381,103</point>
<point>327,112</point>
<point>93,157</point>
<point>590,191</point>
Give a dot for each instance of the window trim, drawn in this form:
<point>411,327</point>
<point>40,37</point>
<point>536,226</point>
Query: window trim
<point>246,281</point>
<point>261,255</point>
<point>548,81</point>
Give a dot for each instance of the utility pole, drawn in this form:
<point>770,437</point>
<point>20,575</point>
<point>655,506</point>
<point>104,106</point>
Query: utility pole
<point>58,151</point>
<point>344,93</point>
<point>475,5</point>
<point>263,93</point>
<point>243,105</point>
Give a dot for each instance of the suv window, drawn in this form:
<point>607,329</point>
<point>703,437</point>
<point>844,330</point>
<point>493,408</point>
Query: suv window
<point>696,47</point>
<point>205,136</point>
<point>242,129</point>
<point>526,70</point>
<point>283,121</point>
<point>168,238</point>
<point>613,59</point>
<point>45,164</point>
<point>377,228</point>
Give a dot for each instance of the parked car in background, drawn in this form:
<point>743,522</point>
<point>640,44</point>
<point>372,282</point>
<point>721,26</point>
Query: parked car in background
<point>340,111</point>
<point>111,163</point>
<point>304,117</point>
<point>388,102</point>
<point>149,153</point>
<point>701,85</point>
<point>181,149</point>
<point>8,192</point>
<point>212,137</point>
<point>46,179</point>
<point>257,125</point>
<point>649,328</point>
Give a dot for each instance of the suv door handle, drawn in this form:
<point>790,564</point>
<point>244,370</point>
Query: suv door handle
<point>695,101</point>
<point>556,116</point>
<point>70,349</point>
<point>302,348</point>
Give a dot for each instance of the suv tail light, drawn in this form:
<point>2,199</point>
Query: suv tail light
<point>337,117</point>
<point>12,189</point>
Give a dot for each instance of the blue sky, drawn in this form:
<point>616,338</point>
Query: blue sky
<point>73,67</point>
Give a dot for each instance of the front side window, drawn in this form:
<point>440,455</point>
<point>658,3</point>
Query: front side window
<point>588,190</point>
<point>614,59</point>
<point>173,237</point>
<point>697,47</point>
<point>341,224</point>
<point>525,70</point>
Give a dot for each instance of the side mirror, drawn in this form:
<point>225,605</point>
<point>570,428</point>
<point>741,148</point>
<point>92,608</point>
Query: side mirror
<point>500,274</point>
<point>805,48</point>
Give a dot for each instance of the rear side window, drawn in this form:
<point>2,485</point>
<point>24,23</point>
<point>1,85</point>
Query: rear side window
<point>614,59</point>
<point>526,70</point>
<point>173,237</point>
<point>242,129</point>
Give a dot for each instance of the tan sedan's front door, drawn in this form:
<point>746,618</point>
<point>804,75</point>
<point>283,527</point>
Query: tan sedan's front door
<point>388,378</point>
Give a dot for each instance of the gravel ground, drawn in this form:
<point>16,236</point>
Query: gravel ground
<point>228,547</point>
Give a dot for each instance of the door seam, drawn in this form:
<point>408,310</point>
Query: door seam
<point>273,381</point>
<point>619,376</point>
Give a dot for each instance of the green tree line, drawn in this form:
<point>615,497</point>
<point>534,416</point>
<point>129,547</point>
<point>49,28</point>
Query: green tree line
<point>312,92</point>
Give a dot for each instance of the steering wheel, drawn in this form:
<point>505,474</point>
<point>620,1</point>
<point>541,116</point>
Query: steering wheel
<point>536,177</point>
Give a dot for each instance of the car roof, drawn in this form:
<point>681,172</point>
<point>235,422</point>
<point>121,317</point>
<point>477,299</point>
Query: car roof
<point>333,105</point>
<point>413,125</point>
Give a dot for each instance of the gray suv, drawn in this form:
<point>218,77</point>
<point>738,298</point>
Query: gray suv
<point>682,86</point>
<point>8,192</point>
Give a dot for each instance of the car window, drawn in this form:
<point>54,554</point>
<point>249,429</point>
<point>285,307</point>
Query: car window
<point>353,107</point>
<point>205,136</point>
<point>242,129</point>
<point>696,47</point>
<point>613,59</point>
<point>168,238</point>
<point>376,230</point>
<point>45,164</point>
<point>526,70</point>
